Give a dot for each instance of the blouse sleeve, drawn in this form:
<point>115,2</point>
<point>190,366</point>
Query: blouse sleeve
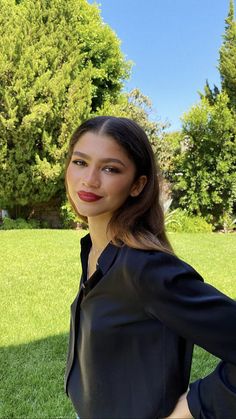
<point>175,293</point>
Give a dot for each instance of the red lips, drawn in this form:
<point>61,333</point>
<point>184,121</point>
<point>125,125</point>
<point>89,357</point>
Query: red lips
<point>88,196</point>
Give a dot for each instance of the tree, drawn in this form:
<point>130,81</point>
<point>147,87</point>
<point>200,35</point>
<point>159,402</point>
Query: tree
<point>58,64</point>
<point>168,148</point>
<point>205,182</point>
<point>227,62</point>
<point>209,93</point>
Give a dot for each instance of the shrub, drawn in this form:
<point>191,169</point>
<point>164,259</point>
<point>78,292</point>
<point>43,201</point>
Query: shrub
<point>179,221</point>
<point>229,223</point>
<point>19,223</point>
<point>69,218</point>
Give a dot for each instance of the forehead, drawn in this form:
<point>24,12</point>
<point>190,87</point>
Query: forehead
<point>100,145</point>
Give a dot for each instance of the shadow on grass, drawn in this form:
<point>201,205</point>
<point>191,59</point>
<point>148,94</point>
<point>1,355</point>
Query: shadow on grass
<point>32,377</point>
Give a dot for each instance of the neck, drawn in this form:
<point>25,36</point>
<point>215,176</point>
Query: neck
<point>98,232</point>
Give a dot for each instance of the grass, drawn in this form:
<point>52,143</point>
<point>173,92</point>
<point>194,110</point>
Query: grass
<point>40,271</point>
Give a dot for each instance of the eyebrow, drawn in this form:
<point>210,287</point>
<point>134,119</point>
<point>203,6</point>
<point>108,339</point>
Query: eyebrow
<point>105,160</point>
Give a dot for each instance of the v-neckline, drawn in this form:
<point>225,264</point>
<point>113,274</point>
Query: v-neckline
<point>104,261</point>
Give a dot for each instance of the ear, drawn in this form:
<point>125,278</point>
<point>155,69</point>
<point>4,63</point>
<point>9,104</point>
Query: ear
<point>138,186</point>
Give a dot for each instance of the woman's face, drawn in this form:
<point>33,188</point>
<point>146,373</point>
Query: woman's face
<point>100,176</point>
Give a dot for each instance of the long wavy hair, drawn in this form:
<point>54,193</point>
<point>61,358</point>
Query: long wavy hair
<point>139,222</point>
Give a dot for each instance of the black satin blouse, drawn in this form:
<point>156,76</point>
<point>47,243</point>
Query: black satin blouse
<point>133,326</point>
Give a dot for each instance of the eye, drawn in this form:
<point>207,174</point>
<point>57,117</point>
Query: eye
<point>110,169</point>
<point>79,162</point>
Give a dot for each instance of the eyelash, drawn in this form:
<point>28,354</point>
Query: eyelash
<point>111,169</point>
<point>108,169</point>
<point>79,162</point>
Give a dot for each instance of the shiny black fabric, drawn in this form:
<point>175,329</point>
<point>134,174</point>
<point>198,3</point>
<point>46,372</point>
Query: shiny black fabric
<point>133,326</point>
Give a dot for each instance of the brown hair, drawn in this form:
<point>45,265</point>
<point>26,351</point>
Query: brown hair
<point>139,222</point>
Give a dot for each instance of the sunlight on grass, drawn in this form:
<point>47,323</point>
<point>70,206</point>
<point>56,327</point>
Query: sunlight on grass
<point>40,277</point>
<point>212,255</point>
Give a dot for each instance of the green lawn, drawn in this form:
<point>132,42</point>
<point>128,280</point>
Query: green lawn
<point>40,272</point>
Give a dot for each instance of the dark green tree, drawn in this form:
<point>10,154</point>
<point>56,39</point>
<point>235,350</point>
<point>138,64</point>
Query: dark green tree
<point>209,93</point>
<point>227,61</point>
<point>58,64</point>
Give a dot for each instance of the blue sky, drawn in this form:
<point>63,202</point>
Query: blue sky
<point>174,45</point>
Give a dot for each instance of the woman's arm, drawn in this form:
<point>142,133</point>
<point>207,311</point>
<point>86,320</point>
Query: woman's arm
<point>176,295</point>
<point>181,409</point>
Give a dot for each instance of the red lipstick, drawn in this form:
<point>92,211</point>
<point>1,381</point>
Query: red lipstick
<point>88,196</point>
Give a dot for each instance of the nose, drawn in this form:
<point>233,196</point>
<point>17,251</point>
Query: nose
<point>91,178</point>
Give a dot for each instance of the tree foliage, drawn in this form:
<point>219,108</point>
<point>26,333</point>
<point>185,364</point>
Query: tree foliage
<point>210,93</point>
<point>206,176</point>
<point>227,63</point>
<point>168,148</point>
<point>58,64</point>
<point>205,180</point>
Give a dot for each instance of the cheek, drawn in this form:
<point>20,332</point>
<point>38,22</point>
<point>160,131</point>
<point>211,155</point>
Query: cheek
<point>70,181</point>
<point>122,187</point>
<point>70,174</point>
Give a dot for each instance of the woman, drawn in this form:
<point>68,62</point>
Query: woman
<point>139,308</point>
